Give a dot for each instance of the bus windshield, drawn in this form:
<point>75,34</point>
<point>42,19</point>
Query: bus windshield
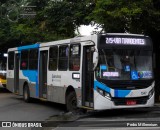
<point>124,64</point>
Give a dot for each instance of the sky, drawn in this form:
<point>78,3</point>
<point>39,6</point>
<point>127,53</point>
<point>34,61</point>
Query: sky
<point>87,30</point>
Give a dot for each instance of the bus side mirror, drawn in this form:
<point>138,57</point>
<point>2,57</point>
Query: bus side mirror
<point>95,59</point>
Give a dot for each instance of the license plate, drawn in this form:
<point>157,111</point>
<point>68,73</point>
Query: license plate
<point>131,102</point>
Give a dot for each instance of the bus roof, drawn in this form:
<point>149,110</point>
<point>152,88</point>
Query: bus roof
<point>24,47</point>
<point>125,34</point>
<point>71,40</point>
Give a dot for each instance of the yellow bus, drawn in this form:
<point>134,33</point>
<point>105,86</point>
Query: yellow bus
<point>3,80</point>
<point>3,60</point>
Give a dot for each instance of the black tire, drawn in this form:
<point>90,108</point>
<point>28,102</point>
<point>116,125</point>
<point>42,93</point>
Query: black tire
<point>71,101</point>
<point>26,93</point>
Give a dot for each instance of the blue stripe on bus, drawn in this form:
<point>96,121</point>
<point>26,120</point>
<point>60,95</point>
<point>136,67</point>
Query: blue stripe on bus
<point>117,93</point>
<point>32,76</point>
<point>28,47</point>
<point>101,86</point>
<point>37,85</point>
<point>121,93</point>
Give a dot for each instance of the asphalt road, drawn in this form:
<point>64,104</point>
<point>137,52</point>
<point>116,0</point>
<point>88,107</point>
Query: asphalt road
<point>121,119</point>
<point>13,108</point>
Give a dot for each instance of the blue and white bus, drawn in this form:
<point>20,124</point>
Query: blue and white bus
<point>104,71</point>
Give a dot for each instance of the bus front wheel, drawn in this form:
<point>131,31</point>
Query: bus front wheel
<point>26,94</point>
<point>71,101</point>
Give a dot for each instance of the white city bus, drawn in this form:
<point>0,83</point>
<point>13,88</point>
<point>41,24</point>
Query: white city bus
<point>105,71</point>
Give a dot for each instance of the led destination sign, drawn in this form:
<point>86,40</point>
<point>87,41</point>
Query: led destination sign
<point>125,41</point>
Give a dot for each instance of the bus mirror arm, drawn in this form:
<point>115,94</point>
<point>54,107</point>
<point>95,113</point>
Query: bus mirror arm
<point>95,59</point>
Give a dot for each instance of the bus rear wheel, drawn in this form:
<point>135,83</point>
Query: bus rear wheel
<point>26,94</point>
<point>71,102</point>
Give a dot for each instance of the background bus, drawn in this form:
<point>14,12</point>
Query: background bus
<point>106,71</point>
<point>3,62</point>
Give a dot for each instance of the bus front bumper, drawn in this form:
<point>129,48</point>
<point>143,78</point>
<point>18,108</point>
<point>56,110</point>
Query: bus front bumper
<point>102,103</point>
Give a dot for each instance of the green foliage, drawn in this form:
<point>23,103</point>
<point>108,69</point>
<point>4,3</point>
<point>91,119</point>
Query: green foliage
<point>138,16</point>
<point>58,19</point>
<point>65,16</point>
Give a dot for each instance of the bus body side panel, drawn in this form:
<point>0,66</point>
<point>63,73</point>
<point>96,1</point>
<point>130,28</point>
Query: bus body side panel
<point>10,73</point>
<point>58,83</point>
<point>10,82</point>
<point>33,90</point>
<point>21,83</point>
<point>29,77</point>
<point>54,88</point>
<point>31,86</point>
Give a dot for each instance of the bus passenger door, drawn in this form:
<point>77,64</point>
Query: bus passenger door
<point>16,73</point>
<point>87,77</point>
<point>43,74</point>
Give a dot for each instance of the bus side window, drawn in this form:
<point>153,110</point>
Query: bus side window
<point>63,57</point>
<point>53,56</point>
<point>74,62</point>
<point>11,60</point>
<point>24,60</point>
<point>33,59</point>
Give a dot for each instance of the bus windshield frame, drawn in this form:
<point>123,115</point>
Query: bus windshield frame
<point>120,64</point>
<point>130,58</point>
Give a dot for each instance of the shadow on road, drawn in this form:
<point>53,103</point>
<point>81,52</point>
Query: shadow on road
<point>4,90</point>
<point>127,113</point>
<point>58,106</point>
<point>61,107</point>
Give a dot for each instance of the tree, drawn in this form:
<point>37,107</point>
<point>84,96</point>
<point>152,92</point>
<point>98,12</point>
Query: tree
<point>138,16</point>
<point>63,17</point>
<point>58,19</point>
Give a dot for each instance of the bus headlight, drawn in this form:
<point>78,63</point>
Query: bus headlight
<point>103,93</point>
<point>151,93</point>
